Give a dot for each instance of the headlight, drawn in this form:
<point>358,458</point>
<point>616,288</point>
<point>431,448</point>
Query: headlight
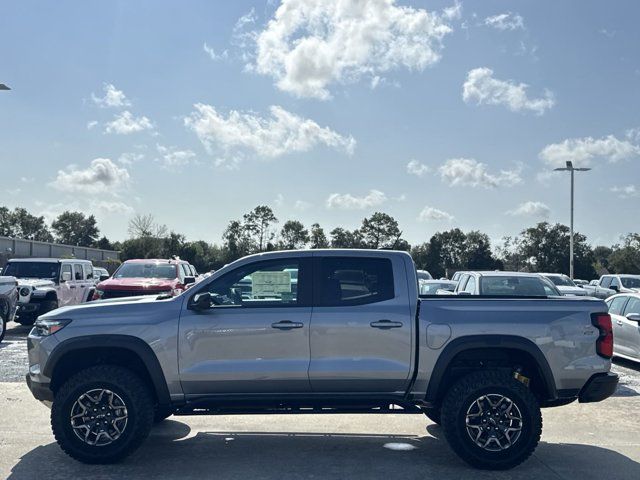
<point>24,291</point>
<point>46,327</point>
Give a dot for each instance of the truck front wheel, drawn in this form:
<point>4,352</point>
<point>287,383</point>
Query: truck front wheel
<point>491,420</point>
<point>102,414</point>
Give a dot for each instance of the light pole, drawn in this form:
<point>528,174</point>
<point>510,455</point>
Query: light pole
<point>572,169</point>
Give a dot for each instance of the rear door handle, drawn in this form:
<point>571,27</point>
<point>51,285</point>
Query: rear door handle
<point>386,324</point>
<point>619,322</point>
<point>287,325</point>
<point>72,286</point>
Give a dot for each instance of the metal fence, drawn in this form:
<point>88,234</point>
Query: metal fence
<point>20,248</point>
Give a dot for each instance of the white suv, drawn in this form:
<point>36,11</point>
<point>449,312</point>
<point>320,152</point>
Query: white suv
<point>45,284</point>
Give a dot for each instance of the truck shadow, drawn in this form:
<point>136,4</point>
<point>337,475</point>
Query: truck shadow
<point>173,451</point>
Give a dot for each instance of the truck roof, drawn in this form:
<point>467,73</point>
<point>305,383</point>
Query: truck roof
<point>49,260</point>
<point>155,260</point>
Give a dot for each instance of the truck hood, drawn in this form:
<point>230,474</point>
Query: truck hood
<point>35,282</point>
<point>567,290</point>
<point>141,284</point>
<point>98,307</point>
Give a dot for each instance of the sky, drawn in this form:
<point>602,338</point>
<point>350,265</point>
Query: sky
<point>441,113</point>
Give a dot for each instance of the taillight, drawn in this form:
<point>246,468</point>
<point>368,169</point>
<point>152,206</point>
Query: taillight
<point>604,343</point>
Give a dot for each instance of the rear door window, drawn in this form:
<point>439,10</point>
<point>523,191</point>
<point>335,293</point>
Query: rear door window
<point>354,281</point>
<point>77,272</point>
<point>633,306</point>
<point>616,305</point>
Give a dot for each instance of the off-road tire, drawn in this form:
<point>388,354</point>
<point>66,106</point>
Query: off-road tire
<point>26,319</point>
<point>433,414</point>
<point>460,398</point>
<point>136,397</point>
<point>3,327</point>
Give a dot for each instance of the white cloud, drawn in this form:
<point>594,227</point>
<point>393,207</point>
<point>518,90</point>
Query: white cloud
<point>414,167</point>
<point>125,123</point>
<point>212,53</point>
<point>112,98</point>
<point>248,18</point>
<point>626,191</point>
<point>467,172</point>
<point>346,201</point>
<point>481,88</point>
<point>240,134</point>
<point>101,176</point>
<point>531,209</point>
<point>310,44</point>
<point>173,158</point>
<point>279,200</point>
<point>112,208</point>
<point>582,151</point>
<point>430,213</point>
<point>505,21</point>
<point>130,158</point>
<point>92,124</point>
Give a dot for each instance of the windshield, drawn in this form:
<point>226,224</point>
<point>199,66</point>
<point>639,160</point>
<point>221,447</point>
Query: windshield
<point>516,286</point>
<point>423,275</point>
<point>561,280</point>
<point>432,288</point>
<point>627,282</point>
<point>50,270</point>
<point>146,270</point>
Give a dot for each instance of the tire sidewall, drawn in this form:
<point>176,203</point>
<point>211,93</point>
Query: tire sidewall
<point>3,327</point>
<point>454,423</point>
<point>61,414</point>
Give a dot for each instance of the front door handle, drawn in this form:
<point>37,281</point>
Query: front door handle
<point>619,322</point>
<point>386,324</point>
<point>287,325</point>
<point>72,286</point>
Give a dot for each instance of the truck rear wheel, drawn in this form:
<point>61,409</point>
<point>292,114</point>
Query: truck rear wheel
<point>491,420</point>
<point>102,414</point>
<point>3,326</point>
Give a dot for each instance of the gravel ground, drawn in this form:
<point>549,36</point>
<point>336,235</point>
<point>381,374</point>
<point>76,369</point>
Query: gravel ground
<point>14,363</point>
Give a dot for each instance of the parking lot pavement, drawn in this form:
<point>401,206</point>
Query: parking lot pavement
<point>590,441</point>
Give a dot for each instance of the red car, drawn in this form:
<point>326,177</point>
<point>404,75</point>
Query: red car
<point>147,277</point>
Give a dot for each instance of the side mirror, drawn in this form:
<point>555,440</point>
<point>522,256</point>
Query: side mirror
<point>200,302</point>
<point>189,280</point>
<point>66,276</point>
<point>634,317</point>
<point>464,293</point>
<point>615,288</point>
<point>104,277</point>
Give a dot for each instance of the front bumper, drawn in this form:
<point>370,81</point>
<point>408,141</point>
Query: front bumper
<point>27,308</point>
<point>598,387</point>
<point>40,391</point>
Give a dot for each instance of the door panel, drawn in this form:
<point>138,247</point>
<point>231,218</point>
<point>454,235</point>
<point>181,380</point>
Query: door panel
<point>360,344</point>
<point>632,328</point>
<point>237,350</point>
<point>255,339</point>
<point>65,292</point>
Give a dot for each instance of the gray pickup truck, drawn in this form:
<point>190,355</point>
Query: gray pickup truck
<point>611,284</point>
<point>349,335</point>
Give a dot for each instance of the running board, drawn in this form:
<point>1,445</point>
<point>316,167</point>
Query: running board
<point>201,409</point>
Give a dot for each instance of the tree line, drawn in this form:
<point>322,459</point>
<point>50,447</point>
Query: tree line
<point>543,247</point>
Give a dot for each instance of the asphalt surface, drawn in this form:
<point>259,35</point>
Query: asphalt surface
<point>585,441</point>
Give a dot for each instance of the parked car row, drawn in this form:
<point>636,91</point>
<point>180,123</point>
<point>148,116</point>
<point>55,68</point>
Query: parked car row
<point>35,286</point>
